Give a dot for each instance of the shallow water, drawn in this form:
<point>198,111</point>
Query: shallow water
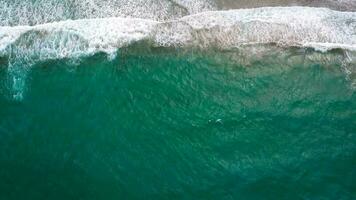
<point>343,5</point>
<point>178,124</point>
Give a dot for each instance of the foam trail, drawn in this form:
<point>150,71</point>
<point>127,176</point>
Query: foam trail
<point>17,75</point>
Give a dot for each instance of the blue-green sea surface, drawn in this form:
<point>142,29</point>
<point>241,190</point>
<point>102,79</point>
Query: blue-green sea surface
<point>172,124</point>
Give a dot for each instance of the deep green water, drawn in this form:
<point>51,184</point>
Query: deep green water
<point>171,125</point>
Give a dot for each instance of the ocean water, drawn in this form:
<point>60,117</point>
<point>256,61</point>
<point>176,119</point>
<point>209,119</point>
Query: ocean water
<point>186,103</point>
<point>181,125</point>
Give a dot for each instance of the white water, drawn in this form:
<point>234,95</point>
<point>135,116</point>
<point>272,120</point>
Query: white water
<point>319,28</point>
<point>32,12</point>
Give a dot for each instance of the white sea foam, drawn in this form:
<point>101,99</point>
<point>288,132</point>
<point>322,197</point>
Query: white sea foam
<point>73,38</point>
<point>341,5</point>
<point>29,12</point>
<point>26,45</point>
<point>319,28</point>
<point>32,12</point>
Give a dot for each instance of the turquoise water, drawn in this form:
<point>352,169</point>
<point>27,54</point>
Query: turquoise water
<point>174,124</point>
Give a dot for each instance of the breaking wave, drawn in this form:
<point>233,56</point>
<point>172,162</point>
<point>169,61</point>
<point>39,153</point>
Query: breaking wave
<point>29,12</point>
<point>304,27</point>
<point>318,28</point>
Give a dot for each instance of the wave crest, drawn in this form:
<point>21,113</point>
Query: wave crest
<point>319,28</point>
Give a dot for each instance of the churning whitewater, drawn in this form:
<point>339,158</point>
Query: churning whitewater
<point>319,28</point>
<point>29,12</point>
